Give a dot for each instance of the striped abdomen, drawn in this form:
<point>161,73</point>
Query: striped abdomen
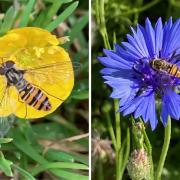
<point>163,66</point>
<point>174,70</point>
<point>35,97</point>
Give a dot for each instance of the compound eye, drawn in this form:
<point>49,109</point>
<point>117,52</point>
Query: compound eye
<point>9,64</point>
<point>2,71</point>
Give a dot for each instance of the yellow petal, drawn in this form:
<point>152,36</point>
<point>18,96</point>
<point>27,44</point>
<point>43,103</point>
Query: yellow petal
<point>32,48</point>
<point>36,36</point>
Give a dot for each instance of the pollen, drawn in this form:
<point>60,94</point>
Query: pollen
<point>53,50</point>
<point>38,51</point>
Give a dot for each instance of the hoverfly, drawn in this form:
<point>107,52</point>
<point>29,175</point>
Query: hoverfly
<point>30,94</point>
<point>163,66</point>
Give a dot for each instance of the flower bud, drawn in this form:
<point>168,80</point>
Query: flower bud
<point>138,165</point>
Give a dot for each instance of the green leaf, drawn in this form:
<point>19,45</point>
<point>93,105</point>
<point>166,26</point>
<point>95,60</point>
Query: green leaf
<point>55,155</point>
<point>26,13</point>
<point>8,20</point>
<point>67,12</point>
<point>83,94</point>
<point>52,11</point>
<point>70,175</point>
<point>5,140</point>
<point>24,172</point>
<point>78,27</point>
<point>22,144</point>
<point>5,165</point>
<point>58,165</point>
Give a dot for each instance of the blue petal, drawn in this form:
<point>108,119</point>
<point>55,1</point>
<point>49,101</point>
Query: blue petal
<point>150,37</point>
<point>172,101</point>
<point>139,42</point>
<point>164,113</point>
<point>143,105</point>
<point>166,35</point>
<point>136,44</point>
<point>125,54</point>
<point>114,64</point>
<point>131,49</point>
<point>158,36</point>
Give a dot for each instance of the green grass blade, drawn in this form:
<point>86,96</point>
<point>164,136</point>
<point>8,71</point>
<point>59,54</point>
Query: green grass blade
<point>23,172</point>
<point>38,22</point>
<point>21,143</point>
<point>70,175</point>
<point>8,20</point>
<point>67,12</point>
<point>78,27</point>
<point>54,9</point>
<point>58,165</point>
<point>26,148</point>
<point>55,155</point>
<point>26,13</point>
<point>5,165</point>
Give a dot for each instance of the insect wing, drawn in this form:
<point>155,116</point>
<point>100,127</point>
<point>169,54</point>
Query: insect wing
<point>7,104</point>
<point>50,73</point>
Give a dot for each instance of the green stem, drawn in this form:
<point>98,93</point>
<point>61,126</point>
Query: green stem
<point>118,127</point>
<point>141,9</point>
<point>111,131</point>
<point>175,3</point>
<point>118,138</point>
<point>100,170</point>
<point>149,151</point>
<point>125,155</point>
<point>164,151</point>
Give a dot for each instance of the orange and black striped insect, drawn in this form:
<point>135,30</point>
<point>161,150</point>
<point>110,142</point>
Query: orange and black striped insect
<point>163,66</point>
<point>29,93</point>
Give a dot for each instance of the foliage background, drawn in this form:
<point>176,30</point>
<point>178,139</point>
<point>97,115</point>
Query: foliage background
<point>56,146</point>
<point>119,16</point>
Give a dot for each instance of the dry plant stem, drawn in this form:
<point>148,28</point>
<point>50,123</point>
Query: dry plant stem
<point>164,151</point>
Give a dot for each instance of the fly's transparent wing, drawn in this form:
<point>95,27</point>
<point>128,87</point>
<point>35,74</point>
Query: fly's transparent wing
<point>7,100</point>
<point>50,73</point>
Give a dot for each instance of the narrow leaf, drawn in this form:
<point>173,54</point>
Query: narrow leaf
<point>26,13</point>
<point>5,165</point>
<point>24,173</point>
<point>67,12</point>
<point>8,20</point>
<point>70,175</point>
<point>58,165</point>
<point>5,140</point>
<point>78,27</point>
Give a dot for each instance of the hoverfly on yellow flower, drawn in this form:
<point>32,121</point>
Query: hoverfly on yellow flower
<point>36,75</point>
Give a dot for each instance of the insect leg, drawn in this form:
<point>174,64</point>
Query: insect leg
<point>20,100</point>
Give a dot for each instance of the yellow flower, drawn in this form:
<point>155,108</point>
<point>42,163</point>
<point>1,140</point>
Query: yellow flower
<point>32,47</point>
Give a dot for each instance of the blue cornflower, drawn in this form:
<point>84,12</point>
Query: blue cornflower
<point>140,87</point>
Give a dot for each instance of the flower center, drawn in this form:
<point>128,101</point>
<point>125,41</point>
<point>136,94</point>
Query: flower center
<point>154,79</point>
